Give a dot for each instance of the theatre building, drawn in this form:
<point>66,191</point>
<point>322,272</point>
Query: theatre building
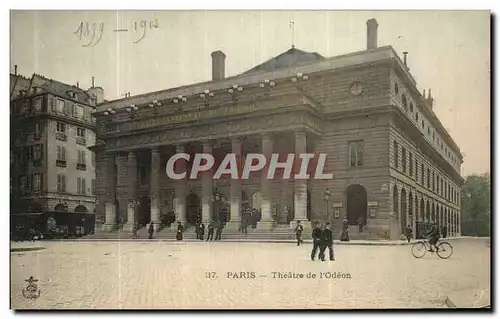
<point>393,162</point>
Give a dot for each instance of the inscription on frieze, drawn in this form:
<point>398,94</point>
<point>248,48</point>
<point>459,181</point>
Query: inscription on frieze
<point>191,116</point>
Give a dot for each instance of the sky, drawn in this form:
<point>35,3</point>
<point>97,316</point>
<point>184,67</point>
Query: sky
<point>448,52</point>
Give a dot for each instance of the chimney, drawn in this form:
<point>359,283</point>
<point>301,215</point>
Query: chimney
<point>77,84</point>
<point>15,69</point>
<point>218,65</point>
<point>404,59</point>
<point>92,81</point>
<point>371,34</point>
<point>429,100</point>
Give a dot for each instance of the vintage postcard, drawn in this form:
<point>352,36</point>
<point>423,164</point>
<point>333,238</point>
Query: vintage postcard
<point>250,159</point>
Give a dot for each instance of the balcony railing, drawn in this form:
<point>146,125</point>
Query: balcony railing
<point>61,136</point>
<point>81,166</point>
<point>81,141</point>
<point>61,163</point>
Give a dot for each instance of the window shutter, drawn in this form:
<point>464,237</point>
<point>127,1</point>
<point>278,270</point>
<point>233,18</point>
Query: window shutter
<point>79,157</point>
<point>84,187</point>
<point>41,182</point>
<point>41,151</point>
<point>73,109</point>
<point>63,153</point>
<point>78,186</point>
<point>83,157</point>
<point>64,183</point>
<point>59,183</point>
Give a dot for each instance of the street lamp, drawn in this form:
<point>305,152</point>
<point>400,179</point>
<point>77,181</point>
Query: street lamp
<point>326,196</point>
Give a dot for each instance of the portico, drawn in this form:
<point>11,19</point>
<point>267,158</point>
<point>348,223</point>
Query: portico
<point>135,172</point>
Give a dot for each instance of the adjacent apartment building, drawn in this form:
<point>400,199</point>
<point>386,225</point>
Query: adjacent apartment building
<point>52,169</point>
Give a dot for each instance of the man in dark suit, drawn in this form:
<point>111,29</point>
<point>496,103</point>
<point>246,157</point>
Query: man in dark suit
<point>317,235</point>
<point>327,241</point>
<point>218,230</point>
<point>298,233</point>
<point>210,235</point>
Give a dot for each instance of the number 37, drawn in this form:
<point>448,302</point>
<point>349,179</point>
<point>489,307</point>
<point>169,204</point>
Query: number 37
<point>210,275</point>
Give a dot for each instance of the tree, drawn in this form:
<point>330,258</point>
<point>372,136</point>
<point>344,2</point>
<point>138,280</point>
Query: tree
<point>476,205</point>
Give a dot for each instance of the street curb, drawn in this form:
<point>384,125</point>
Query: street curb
<point>276,241</point>
<point>21,249</point>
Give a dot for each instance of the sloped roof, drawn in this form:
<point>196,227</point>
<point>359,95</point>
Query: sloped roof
<point>48,85</point>
<point>288,58</point>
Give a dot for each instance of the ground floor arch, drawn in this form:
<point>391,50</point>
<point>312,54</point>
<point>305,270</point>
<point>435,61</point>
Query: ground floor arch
<point>144,211</point>
<point>403,211</point>
<point>356,204</point>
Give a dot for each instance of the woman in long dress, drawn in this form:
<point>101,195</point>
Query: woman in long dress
<point>345,231</point>
<point>180,230</point>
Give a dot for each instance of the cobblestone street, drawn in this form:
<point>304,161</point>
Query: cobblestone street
<point>139,275</point>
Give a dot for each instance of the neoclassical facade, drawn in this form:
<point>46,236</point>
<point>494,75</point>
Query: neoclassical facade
<point>393,162</point>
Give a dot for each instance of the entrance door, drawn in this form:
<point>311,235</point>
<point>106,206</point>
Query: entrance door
<point>403,211</point>
<point>144,211</point>
<point>357,204</point>
<point>193,208</point>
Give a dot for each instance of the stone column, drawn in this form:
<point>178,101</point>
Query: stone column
<point>206,189</point>
<point>235,221</point>
<point>122,187</point>
<point>266,220</point>
<point>132,191</point>
<point>110,194</point>
<point>180,189</point>
<point>154,187</point>
<point>300,185</point>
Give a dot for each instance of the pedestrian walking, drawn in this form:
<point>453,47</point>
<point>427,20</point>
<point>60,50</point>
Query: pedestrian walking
<point>201,231</point>
<point>345,231</point>
<point>317,237</point>
<point>180,230</point>
<point>210,235</point>
<point>360,224</point>
<point>409,233</point>
<point>327,241</point>
<point>151,229</point>
<point>218,231</point>
<point>298,233</point>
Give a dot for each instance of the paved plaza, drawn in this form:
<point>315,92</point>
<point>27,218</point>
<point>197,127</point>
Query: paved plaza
<point>170,275</point>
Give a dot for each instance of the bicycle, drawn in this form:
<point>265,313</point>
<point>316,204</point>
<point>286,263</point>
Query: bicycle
<point>444,249</point>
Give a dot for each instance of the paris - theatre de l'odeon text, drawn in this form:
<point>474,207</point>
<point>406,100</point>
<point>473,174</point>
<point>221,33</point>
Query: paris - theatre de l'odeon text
<point>393,162</point>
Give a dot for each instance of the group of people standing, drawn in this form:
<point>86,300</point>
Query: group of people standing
<point>322,239</point>
<point>216,226</point>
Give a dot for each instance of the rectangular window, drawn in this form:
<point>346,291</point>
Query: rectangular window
<point>80,186</point>
<point>36,182</point>
<point>37,104</point>
<point>60,106</point>
<point>22,184</point>
<point>61,183</point>
<point>79,111</point>
<point>411,163</point>
<point>61,127</point>
<point>93,186</point>
<point>396,155</point>
<point>143,174</point>
<point>355,153</point>
<point>81,157</point>
<point>422,174</point>
<point>61,153</point>
<point>433,182</point>
<point>80,132</point>
<point>29,180</point>
<point>428,178</point>
<point>38,152</point>
<point>403,159</point>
